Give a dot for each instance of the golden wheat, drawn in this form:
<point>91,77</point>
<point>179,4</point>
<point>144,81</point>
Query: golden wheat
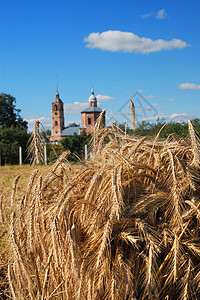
<point>125,225</point>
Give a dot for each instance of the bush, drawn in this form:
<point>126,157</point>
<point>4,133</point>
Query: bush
<point>76,144</point>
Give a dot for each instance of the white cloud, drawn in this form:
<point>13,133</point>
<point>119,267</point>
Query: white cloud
<point>150,97</point>
<point>161,14</point>
<point>189,86</point>
<point>103,98</point>
<point>164,117</point>
<point>160,116</point>
<point>46,122</point>
<point>145,16</point>
<point>143,108</point>
<point>187,115</point>
<point>119,41</point>
<point>41,119</point>
<point>171,100</point>
<point>133,92</point>
<point>158,104</point>
<point>76,107</point>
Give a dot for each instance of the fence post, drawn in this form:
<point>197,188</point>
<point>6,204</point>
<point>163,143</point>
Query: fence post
<point>45,154</point>
<point>86,155</point>
<point>20,156</point>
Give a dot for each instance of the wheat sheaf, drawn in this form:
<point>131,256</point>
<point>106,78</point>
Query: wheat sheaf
<point>125,225</point>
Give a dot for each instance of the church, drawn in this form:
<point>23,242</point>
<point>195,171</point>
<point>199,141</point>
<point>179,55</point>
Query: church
<point>88,118</point>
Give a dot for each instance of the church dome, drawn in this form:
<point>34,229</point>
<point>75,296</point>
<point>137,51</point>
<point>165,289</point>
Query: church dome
<point>92,98</point>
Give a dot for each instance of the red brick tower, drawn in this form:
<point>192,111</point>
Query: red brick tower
<point>57,119</point>
<point>91,114</point>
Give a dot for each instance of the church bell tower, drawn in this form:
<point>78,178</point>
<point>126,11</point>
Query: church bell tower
<point>57,119</point>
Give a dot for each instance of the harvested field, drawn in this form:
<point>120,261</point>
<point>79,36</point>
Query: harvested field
<point>9,173</point>
<point>123,226</point>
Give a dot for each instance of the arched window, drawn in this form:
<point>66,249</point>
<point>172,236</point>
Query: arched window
<point>55,107</point>
<point>89,121</point>
<point>56,123</point>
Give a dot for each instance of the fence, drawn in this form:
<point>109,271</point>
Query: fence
<point>20,156</point>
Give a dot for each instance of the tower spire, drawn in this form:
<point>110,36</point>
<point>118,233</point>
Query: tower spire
<point>57,117</point>
<point>57,94</point>
<point>92,90</point>
<point>92,99</point>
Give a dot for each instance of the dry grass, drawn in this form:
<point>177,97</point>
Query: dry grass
<point>9,173</point>
<point>123,226</point>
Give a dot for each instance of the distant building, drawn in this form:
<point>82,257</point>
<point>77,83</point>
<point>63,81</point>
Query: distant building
<point>91,114</point>
<point>71,130</point>
<point>58,123</point>
<point>88,118</point>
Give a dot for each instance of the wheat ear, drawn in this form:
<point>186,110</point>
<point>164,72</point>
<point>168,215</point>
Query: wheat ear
<point>133,115</point>
<point>14,190</point>
<point>194,144</point>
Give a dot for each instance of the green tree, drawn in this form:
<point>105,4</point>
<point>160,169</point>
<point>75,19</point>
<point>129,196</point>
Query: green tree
<point>152,129</point>
<point>13,130</point>
<point>196,123</point>
<point>73,125</point>
<point>76,143</point>
<point>59,149</point>
<point>10,140</point>
<point>9,114</point>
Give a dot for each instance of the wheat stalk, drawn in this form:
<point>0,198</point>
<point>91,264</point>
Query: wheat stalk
<point>1,209</point>
<point>124,225</point>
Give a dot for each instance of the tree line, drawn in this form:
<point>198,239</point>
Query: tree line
<point>180,128</point>
<point>13,130</point>
<point>14,133</point>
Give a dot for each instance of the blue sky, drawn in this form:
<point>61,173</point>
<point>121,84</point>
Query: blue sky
<point>118,47</point>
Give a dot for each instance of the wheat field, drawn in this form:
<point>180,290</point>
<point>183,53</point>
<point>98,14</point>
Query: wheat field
<point>125,225</point>
<point>7,178</point>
